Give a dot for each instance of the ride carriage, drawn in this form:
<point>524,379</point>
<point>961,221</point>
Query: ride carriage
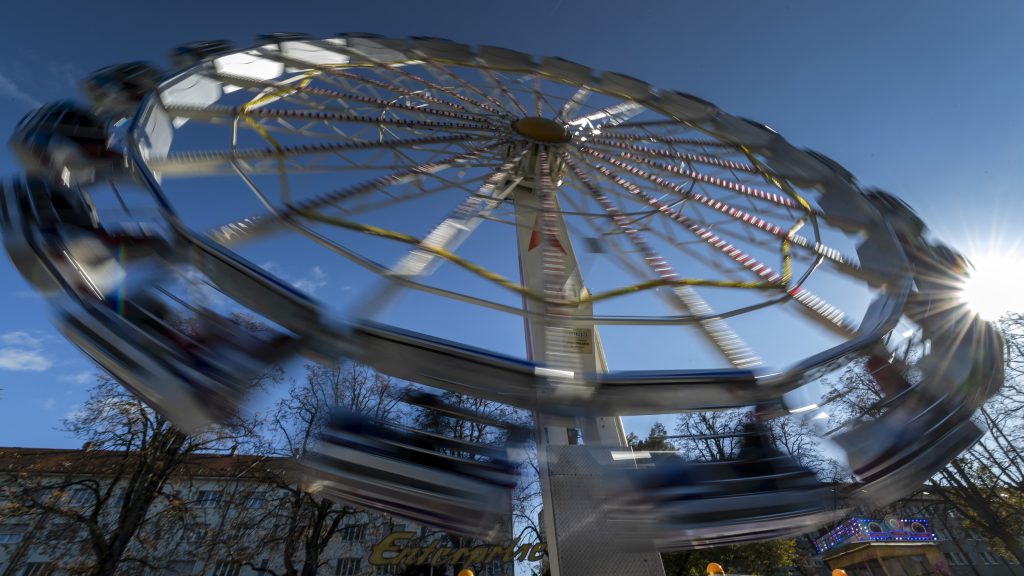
<point>761,494</point>
<point>463,487</point>
<point>195,52</point>
<point>118,89</point>
<point>192,365</point>
<point>63,141</point>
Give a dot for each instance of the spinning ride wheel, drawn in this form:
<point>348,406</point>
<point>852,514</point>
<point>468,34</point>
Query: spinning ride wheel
<point>714,216</point>
<point>453,188</point>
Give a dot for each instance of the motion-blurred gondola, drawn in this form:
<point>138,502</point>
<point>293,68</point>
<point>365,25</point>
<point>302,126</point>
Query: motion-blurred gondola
<point>461,486</point>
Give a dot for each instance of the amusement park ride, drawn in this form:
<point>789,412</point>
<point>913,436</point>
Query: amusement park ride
<point>348,145</point>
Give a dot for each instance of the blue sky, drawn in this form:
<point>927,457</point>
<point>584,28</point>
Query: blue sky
<point>919,98</point>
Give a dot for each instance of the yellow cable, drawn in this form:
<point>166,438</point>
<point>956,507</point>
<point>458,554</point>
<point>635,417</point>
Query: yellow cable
<point>519,289</point>
<point>775,180</point>
<point>278,149</point>
<point>479,270</point>
<point>787,266</point>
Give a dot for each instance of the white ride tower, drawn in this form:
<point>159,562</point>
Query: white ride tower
<point>577,543</point>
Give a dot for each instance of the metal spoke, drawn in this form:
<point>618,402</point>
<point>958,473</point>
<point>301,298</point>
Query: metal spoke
<point>219,113</point>
<point>615,114</point>
<point>685,156</point>
<point>573,104</point>
<point>505,91</point>
<point>442,89</point>
<point>669,140</point>
<point>538,97</point>
<point>644,124</point>
<point>408,93</point>
<point>827,252</point>
<point>453,230</point>
<point>391,200</point>
<point>250,227</point>
<point>735,350</point>
<point>694,175</point>
<point>834,317</point>
<point>210,161</point>
<point>448,235</point>
<point>500,110</point>
<point>337,95</point>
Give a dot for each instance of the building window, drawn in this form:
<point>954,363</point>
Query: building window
<point>226,568</point>
<point>80,497</point>
<point>60,528</point>
<point>989,557</point>
<point>38,569</point>
<point>973,535</point>
<point>347,567</point>
<point>43,494</point>
<point>956,558</point>
<point>196,535</point>
<point>10,537</point>
<point>182,567</point>
<point>208,498</point>
<point>352,532</point>
<point>256,500</point>
<point>389,570</point>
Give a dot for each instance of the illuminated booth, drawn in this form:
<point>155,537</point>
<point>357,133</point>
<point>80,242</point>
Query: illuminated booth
<point>891,547</point>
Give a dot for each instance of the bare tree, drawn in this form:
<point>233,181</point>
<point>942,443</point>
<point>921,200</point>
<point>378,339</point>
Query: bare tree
<point>525,500</point>
<point>297,523</point>
<point>108,498</point>
<point>713,436</point>
<point>985,484</point>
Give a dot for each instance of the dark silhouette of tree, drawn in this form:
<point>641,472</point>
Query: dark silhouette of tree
<point>985,484</point>
<point>114,493</point>
<point>297,522</point>
<point>713,436</point>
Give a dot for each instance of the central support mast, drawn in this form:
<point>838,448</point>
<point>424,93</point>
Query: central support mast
<point>578,542</point>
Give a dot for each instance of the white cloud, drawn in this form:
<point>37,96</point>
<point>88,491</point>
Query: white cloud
<point>21,360</point>
<point>80,378</point>
<point>11,90</point>
<point>75,412</point>
<point>200,292</point>
<point>309,283</point>
<point>313,282</point>
<point>20,351</point>
<point>28,294</point>
<point>20,339</point>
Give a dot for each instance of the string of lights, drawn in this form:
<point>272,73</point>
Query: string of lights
<point>857,529</point>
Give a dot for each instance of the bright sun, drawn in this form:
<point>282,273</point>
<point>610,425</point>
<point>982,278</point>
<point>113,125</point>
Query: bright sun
<point>995,286</point>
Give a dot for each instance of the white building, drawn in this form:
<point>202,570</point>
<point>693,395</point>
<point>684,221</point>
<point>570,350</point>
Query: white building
<point>219,516</point>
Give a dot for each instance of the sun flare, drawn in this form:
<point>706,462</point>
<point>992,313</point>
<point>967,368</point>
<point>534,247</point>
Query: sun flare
<point>995,286</point>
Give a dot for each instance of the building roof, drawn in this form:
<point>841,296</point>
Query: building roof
<point>15,460</point>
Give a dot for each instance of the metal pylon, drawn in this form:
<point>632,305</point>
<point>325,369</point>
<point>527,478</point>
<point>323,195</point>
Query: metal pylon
<point>578,542</point>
